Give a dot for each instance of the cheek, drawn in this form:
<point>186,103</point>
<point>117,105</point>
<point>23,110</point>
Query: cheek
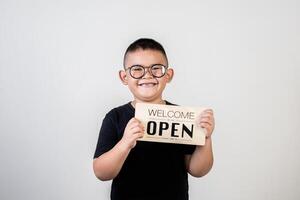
<point>132,83</point>
<point>163,81</point>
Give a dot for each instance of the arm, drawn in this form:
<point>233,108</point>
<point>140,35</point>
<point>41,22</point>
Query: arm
<point>108,165</point>
<point>201,161</point>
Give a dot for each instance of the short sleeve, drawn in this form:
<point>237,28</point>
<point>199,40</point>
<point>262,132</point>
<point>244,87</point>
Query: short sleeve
<point>188,149</point>
<point>107,136</point>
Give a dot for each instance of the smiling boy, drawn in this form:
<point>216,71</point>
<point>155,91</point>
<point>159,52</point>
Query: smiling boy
<point>147,170</point>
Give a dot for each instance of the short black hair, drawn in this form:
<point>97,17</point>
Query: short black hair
<point>145,44</point>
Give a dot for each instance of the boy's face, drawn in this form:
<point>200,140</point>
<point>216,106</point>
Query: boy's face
<point>147,88</point>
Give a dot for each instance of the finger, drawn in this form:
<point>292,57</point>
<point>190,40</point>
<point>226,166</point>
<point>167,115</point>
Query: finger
<point>138,135</point>
<point>208,111</point>
<point>135,124</point>
<point>205,124</point>
<point>141,126</point>
<point>131,121</point>
<point>207,114</point>
<point>136,120</point>
<point>206,117</point>
<point>136,130</point>
<point>207,120</point>
<point>207,127</point>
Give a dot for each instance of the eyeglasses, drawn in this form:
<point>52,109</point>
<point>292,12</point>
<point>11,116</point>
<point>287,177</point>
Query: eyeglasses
<point>138,71</point>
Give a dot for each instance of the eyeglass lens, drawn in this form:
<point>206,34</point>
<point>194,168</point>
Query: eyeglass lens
<point>138,71</point>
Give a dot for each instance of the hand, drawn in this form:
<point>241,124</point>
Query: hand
<point>207,121</point>
<point>134,130</point>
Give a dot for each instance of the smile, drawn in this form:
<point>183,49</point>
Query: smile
<point>147,84</point>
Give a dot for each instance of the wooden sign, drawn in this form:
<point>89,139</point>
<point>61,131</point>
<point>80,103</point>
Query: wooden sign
<point>170,124</point>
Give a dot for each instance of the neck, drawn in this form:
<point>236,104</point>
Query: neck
<point>160,101</point>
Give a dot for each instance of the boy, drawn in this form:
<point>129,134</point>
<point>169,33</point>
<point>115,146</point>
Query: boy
<point>147,170</point>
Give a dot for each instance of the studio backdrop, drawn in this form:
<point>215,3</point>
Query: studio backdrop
<point>59,63</point>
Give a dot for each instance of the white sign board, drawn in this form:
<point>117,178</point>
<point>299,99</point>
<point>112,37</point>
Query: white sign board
<point>170,124</point>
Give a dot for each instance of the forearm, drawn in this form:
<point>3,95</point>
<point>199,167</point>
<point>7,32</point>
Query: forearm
<point>201,160</point>
<point>108,165</point>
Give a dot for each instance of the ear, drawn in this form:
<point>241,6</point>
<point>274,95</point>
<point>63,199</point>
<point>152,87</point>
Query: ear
<point>169,74</point>
<point>123,77</point>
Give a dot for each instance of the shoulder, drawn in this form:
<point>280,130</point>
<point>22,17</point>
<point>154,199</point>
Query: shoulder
<point>120,112</point>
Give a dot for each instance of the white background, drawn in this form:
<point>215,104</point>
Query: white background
<point>59,62</point>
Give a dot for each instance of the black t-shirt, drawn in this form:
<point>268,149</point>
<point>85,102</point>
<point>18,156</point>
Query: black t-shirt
<point>151,170</point>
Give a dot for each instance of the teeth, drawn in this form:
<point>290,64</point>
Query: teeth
<point>147,84</point>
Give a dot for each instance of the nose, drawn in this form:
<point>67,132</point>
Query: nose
<point>148,72</point>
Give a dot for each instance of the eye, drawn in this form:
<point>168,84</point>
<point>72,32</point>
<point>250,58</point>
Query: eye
<point>157,67</point>
<point>137,69</point>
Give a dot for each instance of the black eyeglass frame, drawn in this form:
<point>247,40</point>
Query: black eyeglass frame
<point>144,70</point>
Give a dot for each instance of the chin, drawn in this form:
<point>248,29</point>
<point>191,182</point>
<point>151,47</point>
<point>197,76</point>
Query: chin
<point>148,99</point>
